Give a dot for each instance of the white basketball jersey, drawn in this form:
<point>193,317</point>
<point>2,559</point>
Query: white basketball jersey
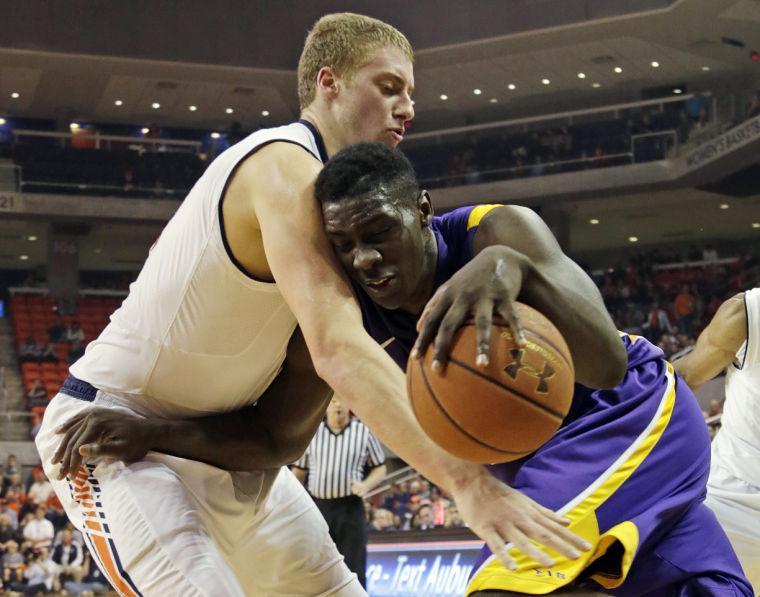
<point>197,334</point>
<point>736,447</point>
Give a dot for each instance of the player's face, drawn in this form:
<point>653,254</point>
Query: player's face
<point>380,243</point>
<point>376,102</point>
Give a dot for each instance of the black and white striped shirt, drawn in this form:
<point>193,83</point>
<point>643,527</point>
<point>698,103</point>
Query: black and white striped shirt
<point>335,460</point>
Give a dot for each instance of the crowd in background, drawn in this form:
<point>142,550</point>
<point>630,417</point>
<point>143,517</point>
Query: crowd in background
<point>40,551</point>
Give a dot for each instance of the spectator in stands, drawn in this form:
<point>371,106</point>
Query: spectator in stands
<point>423,518</point>
<point>685,306</point>
<point>13,564</point>
<point>40,489</point>
<point>69,557</point>
<point>49,355</point>
<point>10,513</point>
<point>39,531</point>
<point>57,331</point>
<point>709,254</point>
<point>76,352</point>
<point>92,580</point>
<point>453,518</point>
<point>29,351</point>
<point>74,333</point>
<point>37,394</point>
<point>657,323</point>
<point>76,535</point>
<point>7,532</point>
<point>714,408</point>
<point>13,483</point>
<point>11,466</point>
<point>40,573</point>
<point>382,520</point>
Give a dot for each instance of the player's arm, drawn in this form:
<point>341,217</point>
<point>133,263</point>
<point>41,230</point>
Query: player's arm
<point>280,182</point>
<point>518,258</point>
<point>272,433</point>
<point>717,345</point>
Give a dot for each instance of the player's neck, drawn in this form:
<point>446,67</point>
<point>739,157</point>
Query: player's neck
<point>425,288</point>
<point>325,125</point>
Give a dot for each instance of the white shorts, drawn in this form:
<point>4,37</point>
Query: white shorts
<point>737,506</point>
<point>168,526</point>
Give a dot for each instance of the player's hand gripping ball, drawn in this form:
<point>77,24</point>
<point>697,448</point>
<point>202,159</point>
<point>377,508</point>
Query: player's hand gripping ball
<point>503,411</point>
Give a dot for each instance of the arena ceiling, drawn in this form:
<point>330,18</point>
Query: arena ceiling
<point>73,60</point>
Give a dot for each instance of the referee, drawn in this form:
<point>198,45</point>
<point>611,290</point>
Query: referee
<point>334,465</point>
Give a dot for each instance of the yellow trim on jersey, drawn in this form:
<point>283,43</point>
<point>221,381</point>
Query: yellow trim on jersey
<point>477,214</point>
<point>532,579</point>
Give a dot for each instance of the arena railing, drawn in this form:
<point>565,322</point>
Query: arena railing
<point>565,118</point>
<point>101,141</point>
<point>477,176</point>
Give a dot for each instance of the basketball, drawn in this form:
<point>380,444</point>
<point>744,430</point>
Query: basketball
<point>501,412</point>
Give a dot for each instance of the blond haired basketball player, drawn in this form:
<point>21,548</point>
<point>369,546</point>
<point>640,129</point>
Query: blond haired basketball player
<point>205,330</point>
<point>732,341</point>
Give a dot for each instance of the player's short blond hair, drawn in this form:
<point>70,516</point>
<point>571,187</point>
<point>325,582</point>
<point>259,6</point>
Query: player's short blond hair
<point>345,42</point>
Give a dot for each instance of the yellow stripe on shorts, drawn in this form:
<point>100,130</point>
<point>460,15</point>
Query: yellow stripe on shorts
<point>530,577</point>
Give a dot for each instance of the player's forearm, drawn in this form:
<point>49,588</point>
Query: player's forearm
<point>254,438</point>
<point>374,387</point>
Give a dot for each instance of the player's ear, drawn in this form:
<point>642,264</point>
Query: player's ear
<point>327,82</point>
<point>425,208</point>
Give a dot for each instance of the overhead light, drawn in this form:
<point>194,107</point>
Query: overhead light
<point>581,75</point>
<point>31,238</point>
<point>155,105</point>
<point>444,97</point>
<point>633,239</point>
<point>477,91</point>
<point>215,135</point>
<point>511,86</point>
<point>756,224</point>
<point>98,251</point>
<point>74,126</point>
<point>705,68</point>
<point>265,112</point>
<point>595,85</point>
<point>493,100</point>
<point>655,64</point>
<point>593,221</point>
<point>2,121</point>
<point>618,70</point>
<point>145,130</point>
<point>23,257</point>
<point>229,110</point>
<point>118,103</point>
<point>15,95</point>
<point>545,81</point>
<point>724,206</point>
<point>678,91</point>
<point>192,108</point>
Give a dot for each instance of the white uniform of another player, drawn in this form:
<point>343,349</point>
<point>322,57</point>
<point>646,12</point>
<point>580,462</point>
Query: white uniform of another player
<point>196,335</point>
<point>733,490</point>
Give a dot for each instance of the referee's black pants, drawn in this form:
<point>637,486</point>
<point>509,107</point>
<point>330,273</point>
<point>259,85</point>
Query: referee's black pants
<point>348,528</point>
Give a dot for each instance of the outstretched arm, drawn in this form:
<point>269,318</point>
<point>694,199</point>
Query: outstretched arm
<point>717,345</point>
<point>518,258</point>
<point>273,432</point>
